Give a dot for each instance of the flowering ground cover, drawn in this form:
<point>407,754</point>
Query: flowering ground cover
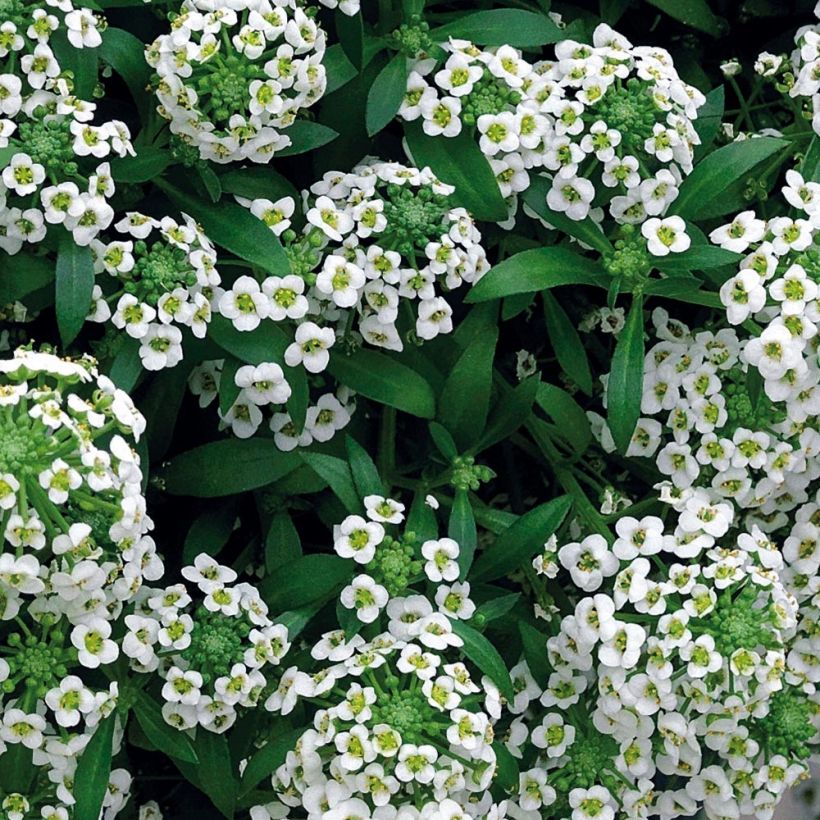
<point>408,409</point>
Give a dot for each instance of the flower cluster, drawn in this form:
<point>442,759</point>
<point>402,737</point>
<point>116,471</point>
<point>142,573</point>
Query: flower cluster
<point>777,285</point>
<point>232,76</point>
<point>265,385</point>
<point>706,425</point>
<point>375,241</point>
<point>163,282</point>
<point>607,116</point>
<point>398,722</point>
<point>681,679</point>
<point>803,81</point>
<point>379,237</point>
<point>210,655</point>
<point>75,554</point>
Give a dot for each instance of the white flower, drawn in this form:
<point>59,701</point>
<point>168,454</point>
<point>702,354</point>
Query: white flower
<point>310,348</point>
<point>341,280</point>
<point>365,596</point>
<point>22,175</point>
<point>161,347</point>
<point>588,562</point>
<point>358,539</point>
<point>245,304</point>
<point>572,196</point>
<point>665,236</point>
<point>744,230</point>
<point>441,555</point>
<point>93,644</point>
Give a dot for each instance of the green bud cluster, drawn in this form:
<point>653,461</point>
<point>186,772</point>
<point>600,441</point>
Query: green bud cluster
<point>39,664</point>
<point>394,565</point>
<point>809,260</point>
<point>226,83</point>
<point>467,475</point>
<point>630,109</point>
<point>590,762</point>
<point>48,142</point>
<point>413,37</point>
<point>158,269</point>
<point>304,252</point>
<point>489,96</point>
<point>788,729</point>
<point>18,447</point>
<point>415,217</point>
<point>185,153</point>
<point>407,711</point>
<point>739,408</point>
<point>735,624</point>
<point>15,11</point>
<point>217,643</point>
<point>630,261</point>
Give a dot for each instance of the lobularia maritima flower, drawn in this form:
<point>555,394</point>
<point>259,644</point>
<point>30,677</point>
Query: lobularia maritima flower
<point>54,169</point>
<point>232,76</point>
<point>380,249</point>
<point>704,426</point>
<point>211,652</point>
<point>75,554</point>
<point>619,112</point>
<point>681,677</point>
<point>400,726</point>
<point>163,279</point>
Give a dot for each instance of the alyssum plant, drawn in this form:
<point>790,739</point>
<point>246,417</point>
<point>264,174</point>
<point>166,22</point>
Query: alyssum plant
<point>408,410</point>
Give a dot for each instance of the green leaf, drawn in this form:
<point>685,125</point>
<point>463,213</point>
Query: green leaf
<point>216,771</point>
<point>350,31</point>
<point>683,289</point>
<point>168,740</point>
<point>306,135</point>
<point>465,399</point>
<point>365,473</point>
<point>694,13</point>
<point>625,385</point>
<point>716,172</point>
<point>81,62</point>
<point>698,257</point>
<point>307,580</point>
<point>227,467</point>
<point>458,161</point>
<point>566,414</point>
<point>386,94</point>
<point>710,117</point>
<point>297,403</point>
<point>337,474</point>
<point>210,532</point>
<point>149,162</point>
<point>461,528</point>
<point>23,274</point>
<point>485,656</point>
<point>386,380</point>
<point>537,269</point>
<point>228,388</point>
<point>258,183</point>
<point>74,284</point>
<point>522,541</point>
<point>266,343</point>
<point>340,71</point>
<point>511,411</point>
<point>498,27</point>
<point>584,230</point>
<point>234,228</point>
<point>267,759</point>
<point>443,440</point>
<point>810,167</point>
<point>506,775</point>
<point>126,367</point>
<point>93,769</point>
<point>421,519</point>
<point>498,607</point>
<point>125,54</point>
<point>210,181</point>
<point>282,543</point>
<point>535,652</point>
<point>567,344</point>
